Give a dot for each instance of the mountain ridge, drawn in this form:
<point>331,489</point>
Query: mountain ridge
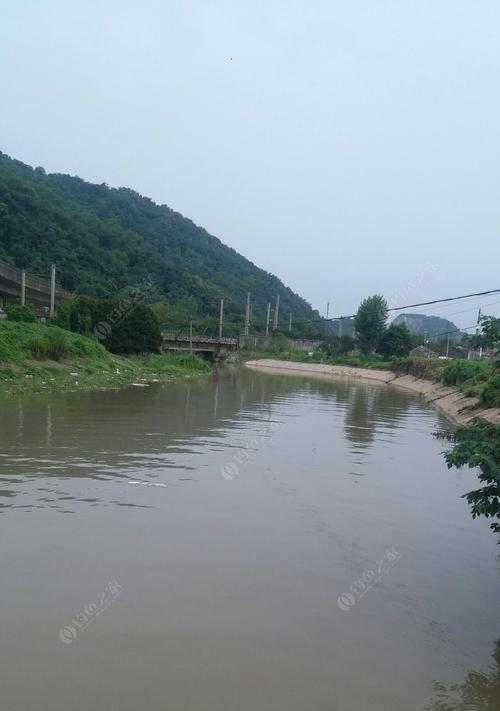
<point>434,327</point>
<point>105,240</point>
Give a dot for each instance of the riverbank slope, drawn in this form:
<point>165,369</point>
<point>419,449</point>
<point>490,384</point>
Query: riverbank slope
<point>449,399</point>
<point>39,358</point>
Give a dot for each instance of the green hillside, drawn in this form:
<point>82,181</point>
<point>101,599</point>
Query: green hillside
<point>106,240</point>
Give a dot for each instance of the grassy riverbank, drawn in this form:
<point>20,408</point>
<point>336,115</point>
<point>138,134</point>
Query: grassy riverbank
<point>39,358</point>
<point>475,379</point>
<point>297,355</point>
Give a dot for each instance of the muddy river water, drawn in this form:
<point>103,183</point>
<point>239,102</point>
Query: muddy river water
<point>249,542</point>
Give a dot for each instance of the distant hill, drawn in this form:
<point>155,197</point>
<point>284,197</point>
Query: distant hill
<point>435,327</point>
<point>104,240</point>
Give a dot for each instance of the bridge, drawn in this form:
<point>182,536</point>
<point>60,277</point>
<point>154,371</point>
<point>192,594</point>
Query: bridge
<point>18,286</point>
<point>216,348</point>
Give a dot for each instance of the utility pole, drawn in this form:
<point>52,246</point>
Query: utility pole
<point>23,288</point>
<point>276,312</point>
<point>478,329</point>
<point>327,309</point>
<point>52,308</point>
<point>221,317</point>
<point>191,336</point>
<point>247,315</point>
<point>340,326</point>
<point>268,317</point>
<point>448,346</point>
<point>290,322</point>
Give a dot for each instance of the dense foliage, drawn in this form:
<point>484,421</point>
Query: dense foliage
<point>489,336</point>
<point>478,445</point>
<point>370,322</point>
<point>16,312</point>
<point>395,341</point>
<point>106,240</point>
<point>457,372</point>
<point>125,326</point>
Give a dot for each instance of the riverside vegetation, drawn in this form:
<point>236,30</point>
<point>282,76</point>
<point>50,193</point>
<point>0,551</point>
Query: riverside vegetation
<point>37,358</point>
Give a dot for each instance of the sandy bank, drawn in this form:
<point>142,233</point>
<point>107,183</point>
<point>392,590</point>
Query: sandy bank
<point>450,400</point>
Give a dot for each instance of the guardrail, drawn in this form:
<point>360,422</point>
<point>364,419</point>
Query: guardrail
<point>171,336</point>
<point>7,271</point>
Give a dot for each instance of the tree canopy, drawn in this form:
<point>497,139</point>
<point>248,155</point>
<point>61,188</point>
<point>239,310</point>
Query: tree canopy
<point>395,341</point>
<point>105,240</point>
<point>478,445</point>
<point>370,322</point>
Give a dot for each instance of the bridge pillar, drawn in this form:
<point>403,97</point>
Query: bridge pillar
<point>23,288</point>
<point>52,308</point>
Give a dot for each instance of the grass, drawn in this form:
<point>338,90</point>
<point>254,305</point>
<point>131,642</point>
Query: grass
<point>40,358</point>
<point>24,341</point>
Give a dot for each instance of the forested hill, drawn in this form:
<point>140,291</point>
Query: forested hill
<point>104,240</point>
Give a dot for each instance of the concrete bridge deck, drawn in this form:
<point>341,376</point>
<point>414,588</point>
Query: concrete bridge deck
<point>218,347</point>
<point>37,290</point>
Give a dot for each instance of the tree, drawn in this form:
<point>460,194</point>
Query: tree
<point>137,331</point>
<point>490,336</point>
<point>478,445</point>
<point>107,242</point>
<point>122,326</point>
<point>395,341</point>
<point>370,322</point>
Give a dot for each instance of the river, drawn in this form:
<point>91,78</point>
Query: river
<point>246,542</point>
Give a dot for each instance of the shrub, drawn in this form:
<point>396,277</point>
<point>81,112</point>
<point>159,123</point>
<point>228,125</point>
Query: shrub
<point>491,391</point>
<point>16,312</point>
<point>137,332</point>
<point>51,345</point>
<point>402,365</point>
<point>39,347</point>
<point>459,371</point>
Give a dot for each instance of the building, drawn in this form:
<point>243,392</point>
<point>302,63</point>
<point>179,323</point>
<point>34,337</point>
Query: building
<point>422,352</point>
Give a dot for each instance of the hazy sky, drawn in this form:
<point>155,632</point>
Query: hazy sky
<point>348,147</point>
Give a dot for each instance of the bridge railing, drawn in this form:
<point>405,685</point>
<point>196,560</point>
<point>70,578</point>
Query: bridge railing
<point>173,336</point>
<point>7,271</point>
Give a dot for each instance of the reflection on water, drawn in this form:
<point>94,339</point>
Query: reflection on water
<point>477,692</point>
<point>136,431</point>
<point>230,582</point>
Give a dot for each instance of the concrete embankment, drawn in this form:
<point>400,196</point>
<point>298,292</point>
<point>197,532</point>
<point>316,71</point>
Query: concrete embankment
<point>450,400</point>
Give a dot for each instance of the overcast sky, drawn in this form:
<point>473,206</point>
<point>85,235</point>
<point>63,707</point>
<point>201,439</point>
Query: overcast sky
<point>348,147</point>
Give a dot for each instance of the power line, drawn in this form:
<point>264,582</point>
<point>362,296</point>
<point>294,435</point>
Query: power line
<point>409,306</point>
<point>402,308</point>
<point>422,303</point>
<point>483,306</point>
<point>455,330</point>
